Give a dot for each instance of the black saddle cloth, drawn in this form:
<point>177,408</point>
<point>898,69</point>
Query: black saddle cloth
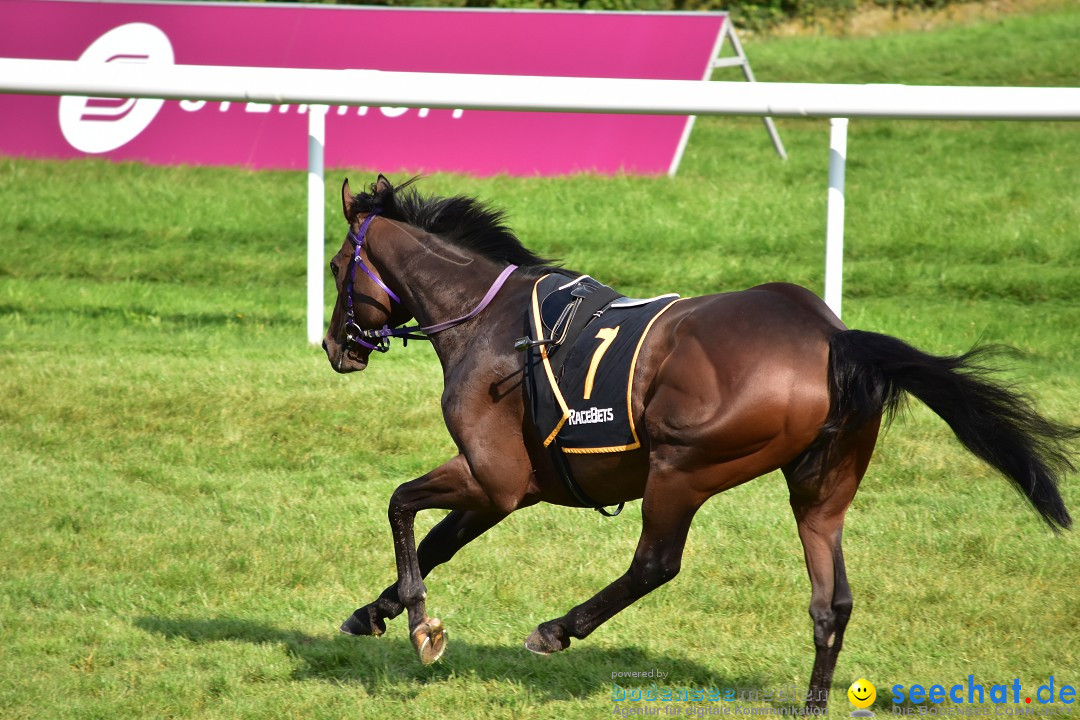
<point>580,384</point>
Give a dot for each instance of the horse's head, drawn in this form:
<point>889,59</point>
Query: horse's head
<point>364,301</point>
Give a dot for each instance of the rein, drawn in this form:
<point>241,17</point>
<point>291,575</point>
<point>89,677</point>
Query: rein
<point>355,335</point>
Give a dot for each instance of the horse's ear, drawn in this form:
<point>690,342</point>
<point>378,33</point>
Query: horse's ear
<point>347,201</point>
<point>383,185</point>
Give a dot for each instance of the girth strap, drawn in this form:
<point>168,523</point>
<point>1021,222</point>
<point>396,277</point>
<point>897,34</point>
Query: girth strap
<point>559,458</point>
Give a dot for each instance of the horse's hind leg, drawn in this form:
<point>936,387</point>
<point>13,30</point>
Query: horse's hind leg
<point>442,542</point>
<point>666,511</point>
<point>822,483</point>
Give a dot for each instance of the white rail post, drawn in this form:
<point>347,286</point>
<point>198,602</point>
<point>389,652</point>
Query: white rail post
<point>316,218</point>
<point>834,224</point>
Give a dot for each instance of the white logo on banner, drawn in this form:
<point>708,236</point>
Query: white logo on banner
<point>97,125</point>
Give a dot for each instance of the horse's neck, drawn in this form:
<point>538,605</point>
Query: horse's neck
<point>439,283</point>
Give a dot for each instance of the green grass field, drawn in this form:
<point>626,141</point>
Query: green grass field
<point>193,501</point>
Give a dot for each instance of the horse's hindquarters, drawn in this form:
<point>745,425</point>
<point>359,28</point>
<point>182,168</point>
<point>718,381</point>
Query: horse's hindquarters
<point>737,377</point>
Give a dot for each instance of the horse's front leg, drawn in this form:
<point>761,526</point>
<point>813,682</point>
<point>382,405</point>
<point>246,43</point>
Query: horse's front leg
<point>450,486</point>
<point>442,542</point>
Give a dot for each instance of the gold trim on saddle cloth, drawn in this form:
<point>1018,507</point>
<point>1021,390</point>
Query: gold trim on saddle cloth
<point>538,323</point>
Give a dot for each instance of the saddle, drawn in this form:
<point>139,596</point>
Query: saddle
<point>580,357</point>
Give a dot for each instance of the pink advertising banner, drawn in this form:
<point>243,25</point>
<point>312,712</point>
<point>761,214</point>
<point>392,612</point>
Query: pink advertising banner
<point>616,45</point>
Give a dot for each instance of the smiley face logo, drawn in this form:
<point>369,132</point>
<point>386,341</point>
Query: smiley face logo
<point>862,694</point>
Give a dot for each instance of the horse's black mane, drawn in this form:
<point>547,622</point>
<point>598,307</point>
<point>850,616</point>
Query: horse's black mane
<point>462,221</point>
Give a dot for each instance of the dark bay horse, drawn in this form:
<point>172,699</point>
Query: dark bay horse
<point>783,385</point>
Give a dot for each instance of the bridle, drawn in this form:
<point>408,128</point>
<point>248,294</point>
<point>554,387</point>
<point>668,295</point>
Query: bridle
<point>357,336</point>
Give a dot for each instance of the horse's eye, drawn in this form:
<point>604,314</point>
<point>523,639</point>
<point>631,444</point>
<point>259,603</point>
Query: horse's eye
<point>333,269</point>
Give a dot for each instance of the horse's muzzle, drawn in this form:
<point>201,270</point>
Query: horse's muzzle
<point>342,359</point>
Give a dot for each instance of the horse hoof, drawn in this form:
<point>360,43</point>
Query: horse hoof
<point>429,639</point>
<point>363,622</point>
<point>540,645</point>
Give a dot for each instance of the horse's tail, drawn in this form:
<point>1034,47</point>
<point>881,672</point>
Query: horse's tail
<point>870,373</point>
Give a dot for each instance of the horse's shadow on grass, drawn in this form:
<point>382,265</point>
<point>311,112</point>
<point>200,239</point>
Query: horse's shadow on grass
<point>388,666</point>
